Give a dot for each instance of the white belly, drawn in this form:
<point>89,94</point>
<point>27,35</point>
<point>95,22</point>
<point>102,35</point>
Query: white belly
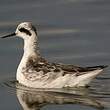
<point>53,80</point>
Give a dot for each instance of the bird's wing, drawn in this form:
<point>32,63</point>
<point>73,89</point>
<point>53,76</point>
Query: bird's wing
<point>70,69</point>
<point>45,66</point>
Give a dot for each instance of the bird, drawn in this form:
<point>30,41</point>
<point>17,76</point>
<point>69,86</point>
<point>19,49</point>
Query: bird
<point>34,71</point>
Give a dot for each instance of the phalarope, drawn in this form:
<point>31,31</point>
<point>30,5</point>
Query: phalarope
<point>36,72</point>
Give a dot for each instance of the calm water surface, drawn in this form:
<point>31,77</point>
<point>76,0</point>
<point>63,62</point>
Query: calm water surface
<point>70,31</point>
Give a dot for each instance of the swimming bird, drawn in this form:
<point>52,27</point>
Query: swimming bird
<point>36,72</point>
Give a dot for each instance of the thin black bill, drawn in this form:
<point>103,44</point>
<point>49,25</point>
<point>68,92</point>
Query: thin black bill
<point>10,35</point>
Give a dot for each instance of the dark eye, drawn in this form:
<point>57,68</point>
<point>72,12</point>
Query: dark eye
<point>25,31</point>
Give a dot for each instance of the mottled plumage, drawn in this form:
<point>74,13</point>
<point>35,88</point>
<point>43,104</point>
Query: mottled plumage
<point>43,65</point>
<point>34,71</point>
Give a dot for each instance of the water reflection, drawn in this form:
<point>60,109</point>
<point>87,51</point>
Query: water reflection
<point>35,99</point>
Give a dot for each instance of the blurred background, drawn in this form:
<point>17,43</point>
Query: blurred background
<point>70,31</point>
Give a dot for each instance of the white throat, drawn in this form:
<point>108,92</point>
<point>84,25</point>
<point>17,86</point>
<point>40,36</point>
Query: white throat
<point>31,46</point>
<point>31,49</point>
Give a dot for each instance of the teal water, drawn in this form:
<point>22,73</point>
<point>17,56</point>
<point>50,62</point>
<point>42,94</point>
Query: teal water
<point>72,32</point>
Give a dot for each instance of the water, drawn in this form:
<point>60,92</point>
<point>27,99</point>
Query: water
<point>72,32</point>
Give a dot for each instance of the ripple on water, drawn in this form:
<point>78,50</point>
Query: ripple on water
<point>38,98</point>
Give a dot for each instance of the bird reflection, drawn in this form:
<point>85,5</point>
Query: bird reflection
<point>35,99</point>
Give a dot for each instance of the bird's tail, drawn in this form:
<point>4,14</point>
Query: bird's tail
<point>85,79</point>
<point>97,67</point>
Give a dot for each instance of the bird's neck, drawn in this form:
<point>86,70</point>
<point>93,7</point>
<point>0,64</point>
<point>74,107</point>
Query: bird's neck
<point>31,50</point>
<point>31,47</point>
